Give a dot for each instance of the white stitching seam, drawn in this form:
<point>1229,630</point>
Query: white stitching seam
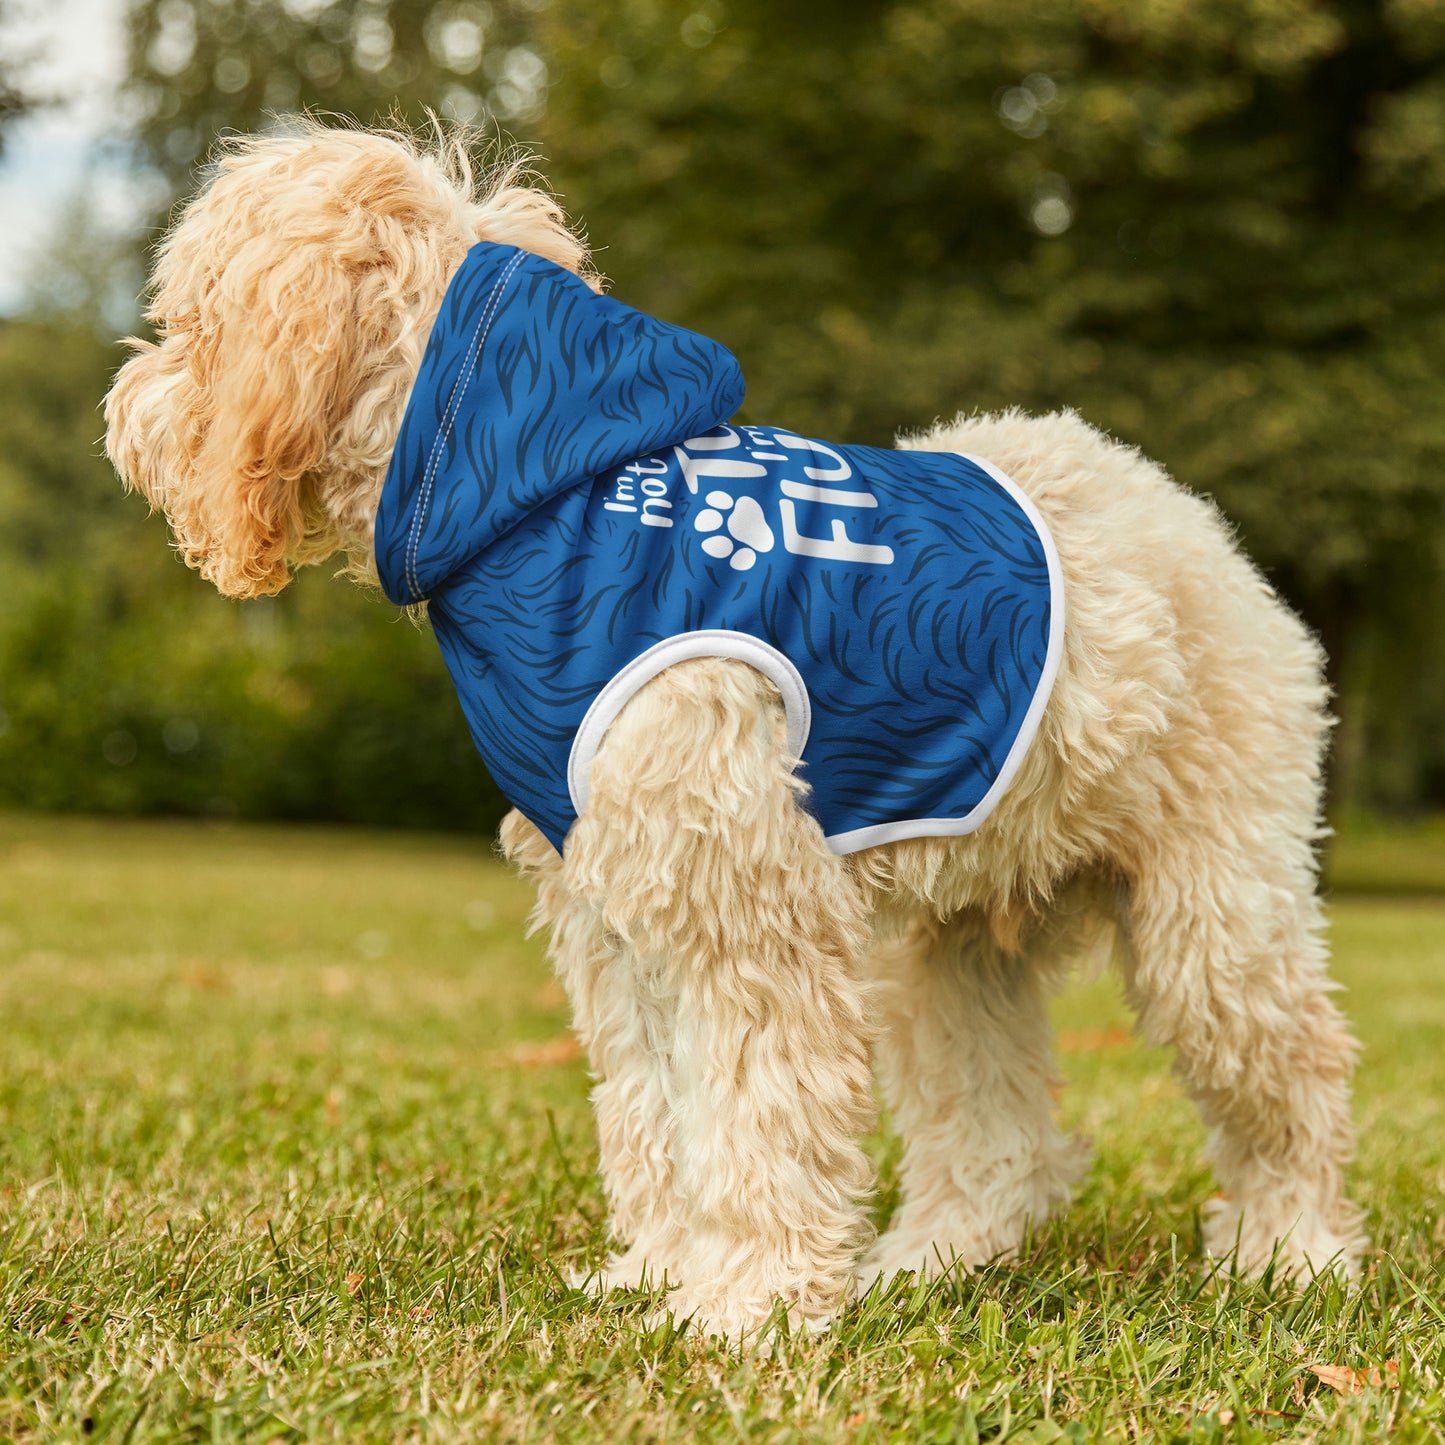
<point>454,401</point>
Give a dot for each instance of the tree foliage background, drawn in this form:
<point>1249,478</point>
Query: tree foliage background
<point>1214,227</point>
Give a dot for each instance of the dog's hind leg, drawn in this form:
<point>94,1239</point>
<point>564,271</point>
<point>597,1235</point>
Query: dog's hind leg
<point>1227,964</point>
<point>966,1063</point>
<point>697,856</point>
<point>622,1014</point>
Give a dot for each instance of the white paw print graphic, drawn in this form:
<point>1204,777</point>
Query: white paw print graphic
<point>748,530</point>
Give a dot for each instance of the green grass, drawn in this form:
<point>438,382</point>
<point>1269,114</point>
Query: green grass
<point>1370,855</point>
<point>284,1154</point>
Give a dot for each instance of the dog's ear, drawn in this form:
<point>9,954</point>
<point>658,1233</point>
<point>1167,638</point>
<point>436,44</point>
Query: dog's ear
<point>220,424</point>
<point>148,410</point>
<point>288,300</point>
<point>293,300</point>
<point>274,356</point>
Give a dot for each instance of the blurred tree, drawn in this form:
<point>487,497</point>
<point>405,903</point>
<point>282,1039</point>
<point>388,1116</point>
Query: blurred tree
<point>58,497</point>
<point>1217,229</point>
<point>14,99</point>
<point>1214,226</point>
<point>202,67</point>
<point>128,685</point>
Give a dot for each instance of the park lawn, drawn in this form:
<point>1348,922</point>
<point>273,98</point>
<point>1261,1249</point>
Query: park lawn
<point>1371,855</point>
<point>293,1146</point>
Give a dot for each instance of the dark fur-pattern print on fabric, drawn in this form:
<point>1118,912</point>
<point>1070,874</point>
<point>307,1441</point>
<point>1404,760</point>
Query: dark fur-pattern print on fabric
<point>568,493</point>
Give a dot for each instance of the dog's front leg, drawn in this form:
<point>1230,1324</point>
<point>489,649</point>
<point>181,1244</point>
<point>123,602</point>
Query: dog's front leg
<point>622,1013</point>
<point>743,931</point>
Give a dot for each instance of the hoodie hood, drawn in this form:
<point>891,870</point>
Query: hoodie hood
<point>531,385</point>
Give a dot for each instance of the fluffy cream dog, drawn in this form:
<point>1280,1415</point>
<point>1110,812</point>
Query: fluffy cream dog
<point>730,976</point>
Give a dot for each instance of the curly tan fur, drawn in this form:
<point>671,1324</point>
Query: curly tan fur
<point>292,301</point>
<point>729,975</point>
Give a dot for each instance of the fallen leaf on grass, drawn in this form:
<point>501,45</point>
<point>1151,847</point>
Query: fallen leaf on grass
<point>354,1283</point>
<point>551,1051</point>
<point>335,982</point>
<point>1355,1382</point>
<point>220,1339</point>
<point>196,974</point>
<point>1083,1041</point>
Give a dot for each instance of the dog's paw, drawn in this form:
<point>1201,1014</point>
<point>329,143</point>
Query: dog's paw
<point>982,1224</point>
<point>752,1324</point>
<point>634,1270</point>
<point>1299,1246</point>
<point>905,1253</point>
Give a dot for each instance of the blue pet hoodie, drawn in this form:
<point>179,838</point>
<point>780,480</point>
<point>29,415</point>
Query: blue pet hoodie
<point>570,496</point>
